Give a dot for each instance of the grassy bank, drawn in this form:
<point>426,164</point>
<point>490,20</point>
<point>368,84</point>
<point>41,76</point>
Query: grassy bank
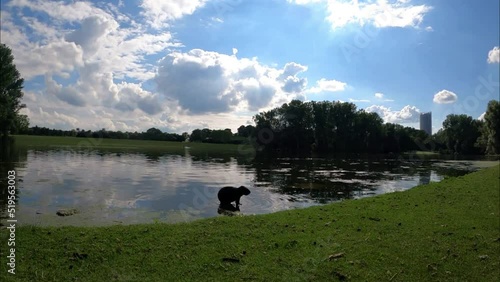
<point>122,145</point>
<point>447,231</point>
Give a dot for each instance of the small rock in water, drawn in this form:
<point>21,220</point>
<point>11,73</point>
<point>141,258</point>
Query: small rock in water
<point>66,212</point>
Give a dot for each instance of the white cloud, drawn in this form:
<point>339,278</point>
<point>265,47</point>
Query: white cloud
<point>445,97</point>
<point>91,32</point>
<point>209,82</point>
<point>69,95</point>
<point>96,63</point>
<point>324,85</point>
<point>293,83</point>
<point>159,13</point>
<point>481,117</point>
<point>494,55</point>
<point>113,40</point>
<point>215,19</point>
<point>292,69</point>
<point>381,96</point>
<point>72,12</point>
<point>408,114</point>
<point>359,101</point>
<point>57,57</point>
<point>380,13</point>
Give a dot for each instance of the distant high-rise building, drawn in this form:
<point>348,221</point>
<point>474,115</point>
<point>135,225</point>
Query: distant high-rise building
<point>426,122</point>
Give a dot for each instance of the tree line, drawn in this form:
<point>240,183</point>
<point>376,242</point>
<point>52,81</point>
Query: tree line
<point>334,127</point>
<point>323,126</point>
<point>462,134</point>
<point>339,127</point>
<point>150,134</point>
<point>326,127</point>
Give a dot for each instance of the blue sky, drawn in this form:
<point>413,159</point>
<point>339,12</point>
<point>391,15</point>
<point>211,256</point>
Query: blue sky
<point>179,65</point>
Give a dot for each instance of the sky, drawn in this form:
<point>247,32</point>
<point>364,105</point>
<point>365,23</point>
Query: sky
<point>178,65</point>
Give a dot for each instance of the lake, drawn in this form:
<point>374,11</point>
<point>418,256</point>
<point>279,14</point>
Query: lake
<point>145,187</point>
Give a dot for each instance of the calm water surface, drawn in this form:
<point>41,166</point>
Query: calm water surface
<point>126,188</point>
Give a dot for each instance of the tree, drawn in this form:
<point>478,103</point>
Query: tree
<point>367,132</point>
<point>461,133</point>
<point>245,131</point>
<point>297,133</point>
<point>342,119</point>
<point>322,129</point>
<point>492,127</point>
<point>11,85</point>
<point>196,136</point>
<point>154,134</point>
<point>21,124</point>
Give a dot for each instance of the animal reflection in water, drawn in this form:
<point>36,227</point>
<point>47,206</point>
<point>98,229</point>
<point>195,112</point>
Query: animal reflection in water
<point>229,194</point>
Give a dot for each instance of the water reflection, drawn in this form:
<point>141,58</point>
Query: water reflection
<point>124,187</point>
<point>12,158</point>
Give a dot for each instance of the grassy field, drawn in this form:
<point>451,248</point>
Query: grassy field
<point>447,231</point>
<point>123,145</point>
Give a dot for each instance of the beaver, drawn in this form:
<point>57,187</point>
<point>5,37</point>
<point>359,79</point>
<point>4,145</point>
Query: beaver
<point>230,194</point>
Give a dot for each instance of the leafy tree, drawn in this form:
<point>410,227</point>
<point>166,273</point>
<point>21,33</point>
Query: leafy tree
<point>321,125</point>
<point>220,136</point>
<point>195,136</point>
<point>439,141</point>
<point>391,138</point>
<point>11,85</point>
<point>245,131</point>
<point>154,134</point>
<point>342,119</point>
<point>297,133</point>
<point>21,124</point>
<point>492,127</point>
<point>461,133</point>
<point>368,133</point>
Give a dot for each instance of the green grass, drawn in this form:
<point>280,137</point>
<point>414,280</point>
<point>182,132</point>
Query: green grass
<point>447,231</point>
<point>123,145</point>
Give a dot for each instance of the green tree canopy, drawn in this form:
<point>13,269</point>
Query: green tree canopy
<point>11,85</point>
<point>492,130</point>
<point>461,133</point>
<point>319,126</point>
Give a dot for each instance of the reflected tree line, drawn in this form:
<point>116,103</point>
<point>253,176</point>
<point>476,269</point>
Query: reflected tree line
<point>326,180</point>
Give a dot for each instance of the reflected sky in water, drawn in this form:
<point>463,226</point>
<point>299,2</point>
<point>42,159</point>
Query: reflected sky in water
<point>127,188</point>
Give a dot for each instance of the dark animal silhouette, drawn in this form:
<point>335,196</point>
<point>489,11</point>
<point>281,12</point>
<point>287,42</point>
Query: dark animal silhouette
<point>230,194</point>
